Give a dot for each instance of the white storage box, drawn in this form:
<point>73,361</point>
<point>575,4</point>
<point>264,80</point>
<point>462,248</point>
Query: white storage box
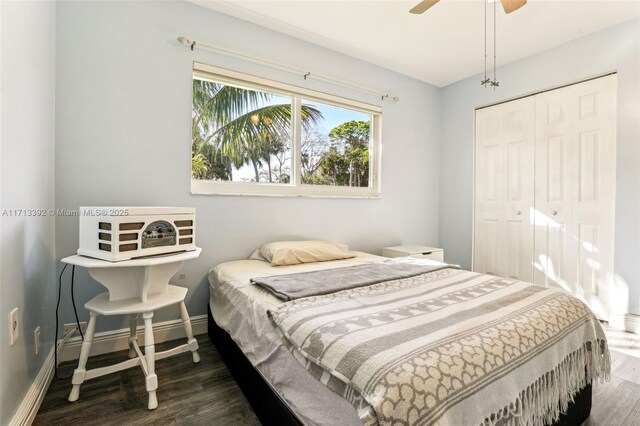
<point>123,233</point>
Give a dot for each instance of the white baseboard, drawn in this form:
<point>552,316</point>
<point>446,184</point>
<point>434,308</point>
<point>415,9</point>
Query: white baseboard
<point>35,395</point>
<point>627,322</point>
<point>117,340</point>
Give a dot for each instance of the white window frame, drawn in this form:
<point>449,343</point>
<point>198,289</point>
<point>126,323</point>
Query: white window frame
<point>295,188</point>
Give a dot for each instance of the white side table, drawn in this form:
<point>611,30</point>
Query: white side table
<point>433,253</point>
<point>139,286</point>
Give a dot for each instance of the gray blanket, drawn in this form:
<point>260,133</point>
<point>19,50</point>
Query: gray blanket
<point>295,286</point>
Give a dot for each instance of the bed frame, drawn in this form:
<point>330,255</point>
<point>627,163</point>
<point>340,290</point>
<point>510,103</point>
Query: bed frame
<point>266,403</point>
<point>272,410</point>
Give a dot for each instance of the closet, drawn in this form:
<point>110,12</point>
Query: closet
<point>544,189</point>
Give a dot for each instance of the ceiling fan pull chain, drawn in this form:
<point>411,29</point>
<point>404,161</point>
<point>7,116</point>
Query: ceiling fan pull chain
<point>494,47</point>
<point>486,80</point>
<point>495,82</point>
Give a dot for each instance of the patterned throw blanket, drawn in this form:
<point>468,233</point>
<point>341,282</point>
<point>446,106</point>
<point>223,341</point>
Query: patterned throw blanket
<point>448,347</point>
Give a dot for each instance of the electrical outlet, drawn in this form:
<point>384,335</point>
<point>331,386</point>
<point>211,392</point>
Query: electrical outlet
<point>181,276</point>
<point>36,339</point>
<point>14,325</point>
<point>74,326</point>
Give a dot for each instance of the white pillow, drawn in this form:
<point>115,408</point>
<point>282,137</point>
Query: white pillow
<point>282,253</point>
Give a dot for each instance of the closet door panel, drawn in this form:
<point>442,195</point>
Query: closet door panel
<point>504,190</point>
<point>488,195</point>
<point>593,195</point>
<point>514,249</point>
<point>518,131</point>
<point>552,267</point>
<point>575,190</point>
<point>490,247</point>
<point>553,151</point>
<point>555,174</point>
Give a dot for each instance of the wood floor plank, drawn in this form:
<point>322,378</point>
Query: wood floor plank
<point>626,367</point>
<point>613,402</point>
<point>633,418</point>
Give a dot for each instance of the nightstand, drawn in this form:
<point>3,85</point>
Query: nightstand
<point>423,252</point>
<point>136,287</point>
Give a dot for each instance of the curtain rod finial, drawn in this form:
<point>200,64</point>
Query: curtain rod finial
<point>183,40</point>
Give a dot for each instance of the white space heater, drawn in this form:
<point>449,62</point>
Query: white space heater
<point>123,233</point>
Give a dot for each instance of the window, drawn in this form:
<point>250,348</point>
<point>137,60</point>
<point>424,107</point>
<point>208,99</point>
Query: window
<point>252,136</point>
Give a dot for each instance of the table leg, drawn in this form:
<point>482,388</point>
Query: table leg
<point>150,358</point>
<point>133,334</point>
<point>79,373</point>
<point>191,341</point>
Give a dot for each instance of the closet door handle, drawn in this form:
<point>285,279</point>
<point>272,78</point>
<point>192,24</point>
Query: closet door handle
<point>555,213</point>
<point>518,213</point>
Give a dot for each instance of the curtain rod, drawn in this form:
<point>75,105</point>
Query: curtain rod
<point>192,44</point>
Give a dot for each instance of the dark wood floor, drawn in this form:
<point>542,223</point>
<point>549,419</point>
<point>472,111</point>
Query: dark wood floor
<point>205,393</point>
<point>188,393</point>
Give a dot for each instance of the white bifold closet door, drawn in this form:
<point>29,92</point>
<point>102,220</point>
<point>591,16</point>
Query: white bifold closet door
<point>575,190</point>
<point>504,194</point>
<point>545,190</point>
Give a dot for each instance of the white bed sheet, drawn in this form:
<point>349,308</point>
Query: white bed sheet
<point>240,308</point>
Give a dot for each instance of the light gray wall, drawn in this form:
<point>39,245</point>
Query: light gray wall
<point>613,49</point>
<point>123,136</point>
<point>27,82</point>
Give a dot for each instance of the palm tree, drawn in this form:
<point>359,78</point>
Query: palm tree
<point>199,163</point>
<point>236,127</point>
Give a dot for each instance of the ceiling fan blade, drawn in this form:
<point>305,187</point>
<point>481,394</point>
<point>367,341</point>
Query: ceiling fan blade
<point>423,6</point>
<point>512,5</point>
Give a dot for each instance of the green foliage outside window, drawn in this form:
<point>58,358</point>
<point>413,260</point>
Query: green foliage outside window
<point>234,127</point>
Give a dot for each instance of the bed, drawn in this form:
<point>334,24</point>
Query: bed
<point>284,387</point>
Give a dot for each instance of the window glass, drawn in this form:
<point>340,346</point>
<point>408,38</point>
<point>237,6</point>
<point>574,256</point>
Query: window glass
<point>240,135</point>
<point>335,149</point>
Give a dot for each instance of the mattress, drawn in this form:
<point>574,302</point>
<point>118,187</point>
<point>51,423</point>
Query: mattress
<point>243,310</point>
<point>240,308</point>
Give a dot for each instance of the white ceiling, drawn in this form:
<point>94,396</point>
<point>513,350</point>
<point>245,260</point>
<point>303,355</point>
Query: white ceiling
<point>441,46</point>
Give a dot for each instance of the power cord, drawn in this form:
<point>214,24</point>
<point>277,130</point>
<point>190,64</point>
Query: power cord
<point>73,301</point>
